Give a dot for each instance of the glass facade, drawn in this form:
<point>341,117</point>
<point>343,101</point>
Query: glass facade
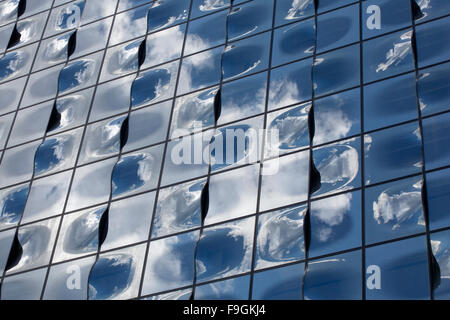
<point>117,179</point>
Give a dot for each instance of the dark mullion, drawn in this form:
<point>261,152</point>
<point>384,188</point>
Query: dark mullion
<point>9,136</point>
<point>163,160</point>
<point>262,155</point>
<point>414,48</point>
<point>75,166</point>
<point>363,192</point>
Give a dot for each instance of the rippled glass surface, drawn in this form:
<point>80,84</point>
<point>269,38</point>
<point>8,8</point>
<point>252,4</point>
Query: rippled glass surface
<point>91,185</point>
<point>293,42</point>
<point>102,139</point>
<point>17,63</point>
<point>337,28</point>
<point>164,46</point>
<point>229,198</point>
<point>285,181</point>
<point>232,289</point>
<point>236,144</point>
<point>112,98</point>
<point>394,210</point>
<point>79,235</point>
<point>206,33</point>
<point>129,221</point>
<point>441,250</point>
<point>394,97</point>
<point>202,7</point>
<point>400,262</point>
<point>92,37</point>
<point>30,124</point>
<point>200,70</point>
<point>335,224</point>
<point>170,263</point>
<point>179,208</point>
<point>250,18</point>
<point>279,284</point>
<point>36,241</point>
<point>148,126</point>
<point>193,112</point>
<point>246,56</point>
<point>395,15</point>
<point>290,84</point>
<point>129,24</point>
<point>41,86</point>
<point>10,94</point>
<point>116,275</point>
<point>65,17</point>
<point>154,85</point>
<point>164,13</point>
<point>438,191</point>
<point>243,98</point>
<point>30,29</point>
<point>17,164</point>
<point>8,11</point>
<point>280,237</point>
<point>336,70</point>
<point>334,278</point>
<point>27,286</point>
<point>179,165</point>
<point>392,153</point>
<point>53,50</point>
<point>292,10</point>
<point>72,111</point>
<point>325,5</point>
<point>337,116</point>
<point>137,172</point>
<point>293,129</point>
<point>182,295</point>
<point>434,89</point>
<point>338,166</point>
<point>56,287</point>
<point>436,135</point>
<point>387,56</point>
<point>12,203</point>
<point>121,59</point>
<point>225,250</point>
<point>433,42</point>
<point>79,74</point>
<point>47,197</point>
<point>6,239</point>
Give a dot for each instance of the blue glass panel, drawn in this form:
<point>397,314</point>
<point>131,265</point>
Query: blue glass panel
<point>279,284</point>
<point>436,137</point>
<point>291,10</point>
<point>334,278</point>
<point>336,70</point>
<point>387,56</point>
<point>337,28</point>
<point>438,191</point>
<point>394,210</point>
<point>434,89</point>
<point>440,242</point>
<point>390,102</point>
<point>433,42</point>
<point>335,224</point>
<point>403,268</point>
<point>165,13</point>
<point>293,42</point>
<point>393,153</point>
<point>233,289</point>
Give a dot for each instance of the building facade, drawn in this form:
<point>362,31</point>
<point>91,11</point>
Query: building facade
<point>218,149</point>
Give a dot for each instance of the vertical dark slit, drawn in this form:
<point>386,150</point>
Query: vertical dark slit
<point>217,106</point>
<point>311,124</point>
<point>307,229</point>
<point>417,12</point>
<point>15,254</point>
<point>15,38</point>
<point>21,8</point>
<point>315,178</point>
<point>142,52</point>
<point>55,119</point>
<point>103,228</point>
<point>124,133</point>
<point>204,202</point>
<point>72,44</point>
